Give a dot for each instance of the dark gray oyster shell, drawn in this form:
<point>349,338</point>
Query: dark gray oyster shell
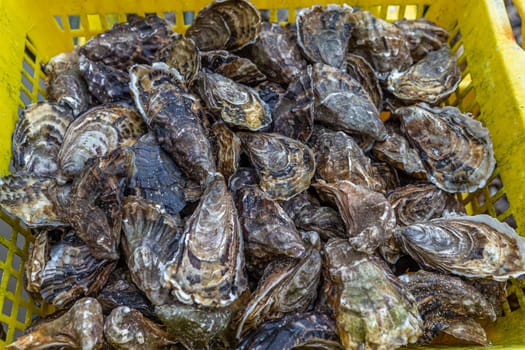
<point>225,25</point>
<point>239,69</point>
<point>182,54</point>
<point>285,166</point>
<point>455,148</point>
<point>423,36</point>
<point>472,246</point>
<point>323,33</point>
<point>386,175</point>
<point>243,177</point>
<point>271,94</point>
<point>155,176</point>
<point>38,136</point>
<point>229,149</point>
<point>360,70</point>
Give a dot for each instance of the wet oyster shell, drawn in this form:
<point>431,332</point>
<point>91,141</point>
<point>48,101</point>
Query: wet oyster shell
<point>243,177</point>
<point>271,93</point>
<point>423,36</point>
<point>208,268</point>
<point>236,104</point>
<point>372,309</point>
<point>128,329</point>
<point>155,176</point>
<point>134,41</point>
<point>81,327</point>
<point>38,136</point>
<point>386,175</point>
<point>229,149</point>
<point>96,133</point>
<point>225,25</point>
<point>456,149</point>
<point>239,69</point>
<point>466,331</point>
<point>323,33</point>
<point>182,54</point>
<point>430,80</point>
<point>276,54</point>
<point>311,330</point>
<point>369,219</point>
<point>471,246</point>
<point>323,220</point>
<point>360,70</point>
<point>284,166</point>
<point>422,202</point>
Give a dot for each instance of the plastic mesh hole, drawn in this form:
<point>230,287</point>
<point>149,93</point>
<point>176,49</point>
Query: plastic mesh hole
<point>21,314</point>
<point>74,22</point>
<point>29,54</point>
<point>468,100</point>
<point>513,302</point>
<point>58,21</point>
<point>3,331</point>
<point>425,10</point>
<point>26,100</point>
<point>171,17</point>
<point>40,97</point>
<point>410,12</point>
<point>392,13</point>
<point>282,15</point>
<point>20,241</point>
<point>501,205</point>
<point>265,15</point>
<point>94,22</point>
<point>455,39</point>
<point>8,307</point>
<point>188,17</point>
<point>511,221</point>
<point>495,185</point>
<point>3,252</point>
<point>42,84</point>
<point>480,199</point>
<point>112,19</point>
<point>11,284</point>
<point>28,68</point>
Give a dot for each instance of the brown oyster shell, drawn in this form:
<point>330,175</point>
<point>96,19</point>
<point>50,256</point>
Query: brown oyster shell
<point>415,203</point>
<point>471,246</point>
<point>225,25</point>
<point>323,220</point>
<point>81,327</point>
<point>386,175</point>
<point>360,70</point>
<point>239,69</point>
<point>134,41</point>
<point>323,33</point>
<point>237,104</point>
<point>38,136</point>
<point>368,216</point>
<point>127,329</point>
<point>430,80</point>
<point>271,93</point>
<point>372,309</point>
<point>243,177</point>
<point>229,149</point>
<point>182,54</point>
<point>456,149</point>
<point>466,331</point>
<point>208,268</point>
<point>423,36</point>
<point>285,166</point>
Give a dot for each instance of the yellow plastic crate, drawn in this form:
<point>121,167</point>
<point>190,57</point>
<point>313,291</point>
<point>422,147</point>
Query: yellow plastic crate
<point>493,89</point>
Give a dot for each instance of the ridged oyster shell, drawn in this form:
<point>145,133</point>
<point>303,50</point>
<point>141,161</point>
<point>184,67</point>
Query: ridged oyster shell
<point>229,149</point>
<point>360,70</point>
<point>239,69</point>
<point>182,54</point>
<point>423,36</point>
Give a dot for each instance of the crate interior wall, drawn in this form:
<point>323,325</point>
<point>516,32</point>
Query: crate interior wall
<point>492,89</point>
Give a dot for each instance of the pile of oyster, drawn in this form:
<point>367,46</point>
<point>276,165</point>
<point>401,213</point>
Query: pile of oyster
<point>236,188</point>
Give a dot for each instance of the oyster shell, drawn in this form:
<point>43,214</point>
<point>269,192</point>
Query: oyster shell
<point>134,41</point>
<point>239,69</point>
<point>466,330</point>
<point>284,166</point>
<point>236,104</point>
<point>61,269</point>
<point>276,54</point>
<point>225,25</point>
<point>368,216</point>
<point>229,149</point>
<point>430,80</point>
<point>423,36</point>
<point>175,116</point>
<point>472,246</point>
<point>37,138</point>
<point>372,309</point>
<point>323,33</point>
<point>96,133</point>
<point>208,268</point>
<point>311,330</point>
<point>361,71</point>
<point>149,239</point>
<point>65,84</point>
<point>386,175</point>
<point>243,177</point>
<point>81,327</point>
<point>415,203</point>
<point>456,149</point>
<point>271,94</point>
<point>128,329</point>
<point>342,104</point>
<point>182,54</point>
<point>155,176</point>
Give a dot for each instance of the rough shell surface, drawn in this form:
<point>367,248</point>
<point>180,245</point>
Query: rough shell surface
<point>182,54</point>
<point>243,177</point>
<point>323,220</point>
<point>271,94</point>
<point>423,36</point>
<point>239,69</point>
<point>228,149</point>
<point>360,70</point>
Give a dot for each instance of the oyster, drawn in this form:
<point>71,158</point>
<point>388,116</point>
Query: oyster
<point>472,246</point>
<point>38,136</point>
<point>422,36</point>
<point>268,231</point>
<point>372,309</point>
<point>430,80</point>
<point>182,54</point>
<point>342,104</point>
<point>271,94</point>
<point>369,219</point>
<point>456,149</point>
<point>422,202</point>
<point>61,269</point>
<point>311,330</point>
<point>386,175</point>
<point>134,41</point>
<point>155,176</point>
<point>323,33</point>
<point>225,25</point>
<point>361,71</point>
<point>284,166</point>
<point>65,84</point>
<point>229,149</point>
<point>276,54</point>
<point>243,177</point>
<point>97,132</point>
<point>208,268</point>
<point>380,42</point>
<point>236,104</point>
<point>175,116</point>
<point>81,327</point>
<point>239,69</point>
<point>128,329</point>
<point>149,240</point>
<point>466,330</point>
